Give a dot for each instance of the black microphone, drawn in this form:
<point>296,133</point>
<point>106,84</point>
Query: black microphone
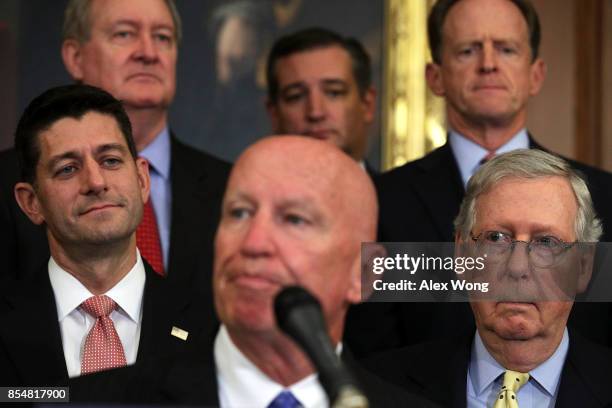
<point>299,315</point>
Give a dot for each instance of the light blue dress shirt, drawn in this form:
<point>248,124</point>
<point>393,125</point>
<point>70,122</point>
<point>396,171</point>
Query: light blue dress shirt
<point>485,377</point>
<point>157,154</point>
<point>468,154</point>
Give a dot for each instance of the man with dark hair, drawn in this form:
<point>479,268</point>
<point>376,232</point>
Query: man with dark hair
<point>531,213</point>
<point>130,49</point>
<point>320,85</point>
<point>96,304</point>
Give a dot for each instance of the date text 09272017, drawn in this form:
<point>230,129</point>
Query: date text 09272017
<point>34,394</point>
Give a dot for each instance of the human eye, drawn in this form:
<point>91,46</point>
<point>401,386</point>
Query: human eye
<point>111,162</point>
<point>295,219</point>
<point>548,242</point>
<point>496,237</point>
<point>507,49</point>
<point>335,92</point>
<point>163,38</point>
<point>122,35</point>
<point>293,96</point>
<point>65,171</point>
<point>239,213</point>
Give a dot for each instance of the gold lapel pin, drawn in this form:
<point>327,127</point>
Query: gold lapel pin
<point>180,333</point>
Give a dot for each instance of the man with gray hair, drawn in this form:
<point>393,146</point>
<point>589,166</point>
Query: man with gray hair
<point>130,49</point>
<point>530,213</point>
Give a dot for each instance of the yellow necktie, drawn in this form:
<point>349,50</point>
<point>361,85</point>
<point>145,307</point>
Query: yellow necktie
<point>513,381</point>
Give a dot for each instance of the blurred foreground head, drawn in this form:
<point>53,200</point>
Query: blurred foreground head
<point>295,213</point>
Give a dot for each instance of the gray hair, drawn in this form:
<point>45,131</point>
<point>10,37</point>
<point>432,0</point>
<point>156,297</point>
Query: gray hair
<point>77,24</point>
<point>529,164</point>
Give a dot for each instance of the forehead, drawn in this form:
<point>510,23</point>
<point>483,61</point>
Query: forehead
<point>69,134</point>
<point>331,62</point>
<point>279,177</point>
<point>478,19</point>
<point>156,12</point>
<point>546,203</point>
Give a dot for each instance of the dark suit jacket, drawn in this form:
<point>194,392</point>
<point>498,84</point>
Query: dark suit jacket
<point>31,350</point>
<point>420,200</point>
<point>438,370</point>
<point>198,184</point>
<point>418,203</point>
<point>189,378</point>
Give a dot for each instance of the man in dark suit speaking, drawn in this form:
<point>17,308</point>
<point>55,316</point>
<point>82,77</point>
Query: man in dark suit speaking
<point>95,304</point>
<point>130,49</point>
<point>530,213</point>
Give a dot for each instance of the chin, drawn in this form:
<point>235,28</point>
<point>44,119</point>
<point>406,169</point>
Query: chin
<point>515,329</point>
<point>148,100</point>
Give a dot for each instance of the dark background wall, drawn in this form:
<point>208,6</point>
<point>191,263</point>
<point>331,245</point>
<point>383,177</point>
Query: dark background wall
<point>219,119</point>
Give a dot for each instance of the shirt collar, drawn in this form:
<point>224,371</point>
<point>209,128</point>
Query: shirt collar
<point>157,153</point>
<point>245,385</point>
<point>468,154</point>
<point>69,292</point>
<point>484,369</point>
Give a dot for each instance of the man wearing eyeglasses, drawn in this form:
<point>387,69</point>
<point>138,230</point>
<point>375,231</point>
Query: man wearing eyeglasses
<point>532,215</point>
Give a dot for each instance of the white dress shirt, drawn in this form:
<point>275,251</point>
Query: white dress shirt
<point>242,385</point>
<point>468,154</point>
<point>75,323</point>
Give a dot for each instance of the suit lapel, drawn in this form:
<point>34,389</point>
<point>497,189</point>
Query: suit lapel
<point>31,333</point>
<point>192,380</point>
<point>195,212</point>
<point>441,189</point>
<point>160,309</point>
<point>586,376</point>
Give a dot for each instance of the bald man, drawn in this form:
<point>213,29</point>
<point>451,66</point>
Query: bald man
<point>295,212</point>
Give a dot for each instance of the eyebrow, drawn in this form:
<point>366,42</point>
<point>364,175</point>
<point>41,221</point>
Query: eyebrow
<point>133,23</point>
<point>302,84</point>
<point>75,155</point>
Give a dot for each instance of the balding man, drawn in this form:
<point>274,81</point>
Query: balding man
<point>295,213</point>
<point>530,216</point>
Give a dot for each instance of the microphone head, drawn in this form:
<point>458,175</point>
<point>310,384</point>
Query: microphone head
<point>290,298</point>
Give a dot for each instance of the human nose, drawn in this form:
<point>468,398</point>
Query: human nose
<point>488,59</point>
<point>258,240</point>
<point>93,179</point>
<point>518,261</point>
<point>147,50</point>
<point>316,107</point>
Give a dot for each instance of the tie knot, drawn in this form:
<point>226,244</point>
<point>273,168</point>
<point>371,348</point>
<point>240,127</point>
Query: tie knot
<point>285,399</point>
<point>99,306</point>
<point>487,157</point>
<point>513,380</point>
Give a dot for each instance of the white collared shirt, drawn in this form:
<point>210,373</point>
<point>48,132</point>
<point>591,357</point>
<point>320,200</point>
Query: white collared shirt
<point>75,323</point>
<point>242,385</point>
<point>468,154</point>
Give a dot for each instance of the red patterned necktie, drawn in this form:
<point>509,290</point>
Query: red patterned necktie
<point>147,239</point>
<point>103,349</point>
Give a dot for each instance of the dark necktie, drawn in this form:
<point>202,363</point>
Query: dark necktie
<point>285,399</point>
